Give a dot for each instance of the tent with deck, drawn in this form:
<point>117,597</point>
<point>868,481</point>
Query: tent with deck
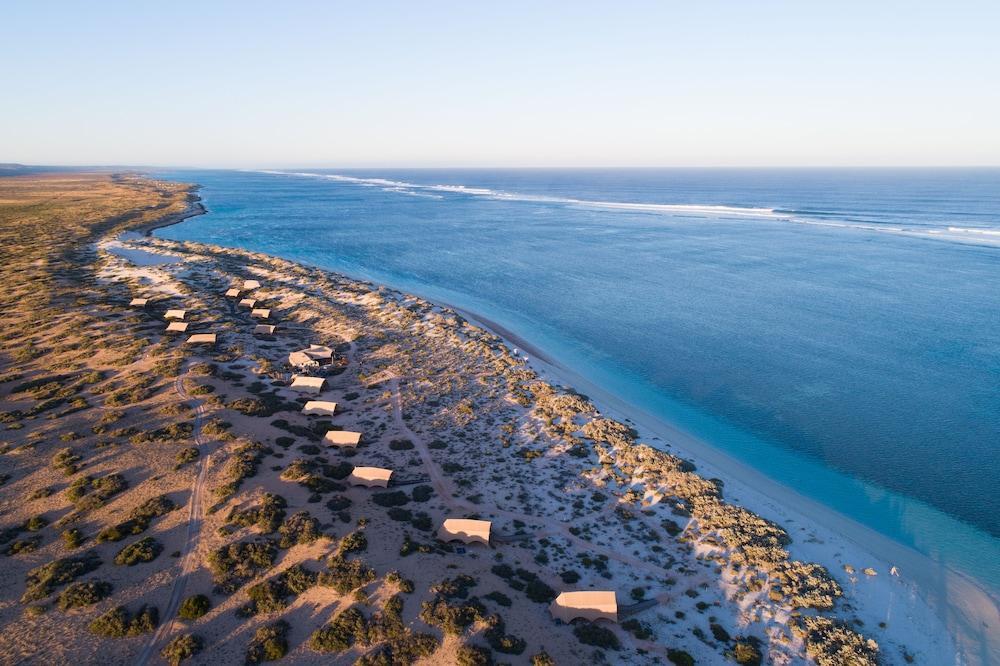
<point>202,339</point>
<point>465,530</point>
<point>251,284</point>
<point>264,329</point>
<point>175,314</point>
<point>177,327</point>
<point>233,293</point>
<point>260,313</point>
<point>590,605</point>
<point>248,303</point>
<point>138,302</point>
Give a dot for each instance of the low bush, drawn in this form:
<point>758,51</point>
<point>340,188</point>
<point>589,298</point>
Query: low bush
<point>146,549</point>
<point>42,580</point>
<point>269,643</point>
<point>119,623</point>
<point>79,594</point>
<point>393,498</point>
<point>184,646</point>
<point>194,607</point>
<point>590,633</point>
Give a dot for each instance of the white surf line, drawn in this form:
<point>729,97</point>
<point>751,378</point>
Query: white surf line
<point>196,514</point>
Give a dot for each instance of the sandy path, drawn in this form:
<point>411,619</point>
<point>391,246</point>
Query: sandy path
<point>196,513</point>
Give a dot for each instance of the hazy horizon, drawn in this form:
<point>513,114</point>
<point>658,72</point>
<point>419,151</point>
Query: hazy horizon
<point>398,86</point>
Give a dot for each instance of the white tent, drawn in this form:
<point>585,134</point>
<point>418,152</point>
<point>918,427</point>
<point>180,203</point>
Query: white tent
<point>138,302</point>
<point>233,293</point>
<point>174,314</point>
<point>370,477</point>
<point>248,303</point>
<point>465,530</point>
<point>264,329</point>
<point>177,327</point>
<point>320,408</point>
<point>202,339</point>
<point>342,438</point>
<point>590,605</point>
<point>251,284</point>
<point>262,313</point>
<point>307,384</point>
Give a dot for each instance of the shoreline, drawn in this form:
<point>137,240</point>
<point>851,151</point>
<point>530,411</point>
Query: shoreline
<point>955,599</point>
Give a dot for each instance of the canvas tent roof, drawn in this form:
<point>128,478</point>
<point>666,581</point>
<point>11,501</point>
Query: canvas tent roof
<point>320,407</point>
<point>248,303</point>
<point>264,329</point>
<point>465,530</point>
<point>588,604</point>
<point>202,338</point>
<point>342,438</point>
<point>251,284</point>
<point>177,327</point>
<point>138,302</point>
<point>233,293</point>
<point>174,314</point>
<point>370,477</point>
<point>263,313</point>
<point>307,384</point>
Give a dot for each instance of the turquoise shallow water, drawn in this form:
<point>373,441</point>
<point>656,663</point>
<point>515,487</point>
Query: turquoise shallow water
<point>837,329</point>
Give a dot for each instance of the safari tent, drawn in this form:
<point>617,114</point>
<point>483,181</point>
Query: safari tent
<point>138,302</point>
<point>589,605</point>
<point>342,438</point>
<point>264,329</point>
<point>174,314</point>
<point>370,477</point>
<point>305,384</point>
<point>260,313</point>
<point>248,303</point>
<point>312,357</point>
<point>202,339</point>
<point>251,284</point>
<point>320,408</point>
<point>233,293</point>
<point>465,530</point>
<point>177,327</point>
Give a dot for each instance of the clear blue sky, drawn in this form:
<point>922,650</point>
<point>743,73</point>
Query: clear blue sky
<point>508,83</point>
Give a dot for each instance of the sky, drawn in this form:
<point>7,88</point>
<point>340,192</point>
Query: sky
<point>340,84</point>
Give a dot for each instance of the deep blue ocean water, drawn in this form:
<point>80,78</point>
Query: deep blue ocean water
<point>837,329</point>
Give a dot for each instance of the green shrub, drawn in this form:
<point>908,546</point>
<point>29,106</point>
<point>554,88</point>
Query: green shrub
<point>269,643</point>
<point>680,658</point>
<point>194,607</point>
<point>542,659</point>
<point>590,633</point>
<point>569,577</point>
<point>79,594</point>
<point>187,454</point>
<point>118,623</point>
<point>393,498</point>
<point>298,528</point>
<point>180,648</point>
<point>640,630</point>
<point>346,575</point>
<point>41,580</point>
<point>747,651</point>
<point>146,549</point>
<point>473,655</point>
<point>73,538</point>
<point>499,598</point>
<point>422,493</point>
<point>400,445</point>
<point>341,634</point>
<point>355,542</point>
<point>719,632</point>
<point>234,564</point>
<point>266,515</point>
<point>338,503</point>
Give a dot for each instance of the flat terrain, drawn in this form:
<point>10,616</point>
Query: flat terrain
<point>163,500</point>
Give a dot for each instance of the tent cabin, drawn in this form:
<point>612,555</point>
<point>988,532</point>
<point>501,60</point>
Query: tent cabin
<point>590,605</point>
<point>342,438</point>
<point>370,477</point>
<point>305,384</point>
<point>264,329</point>
<point>174,314</point>
<point>248,303</point>
<point>313,357</point>
<point>320,408</point>
<point>262,313</point>
<point>465,530</point>
<point>233,293</point>
<point>177,327</point>
<point>138,302</point>
<point>202,339</point>
<point>249,285</point>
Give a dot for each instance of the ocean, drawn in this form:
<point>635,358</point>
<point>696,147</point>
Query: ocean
<point>836,329</point>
